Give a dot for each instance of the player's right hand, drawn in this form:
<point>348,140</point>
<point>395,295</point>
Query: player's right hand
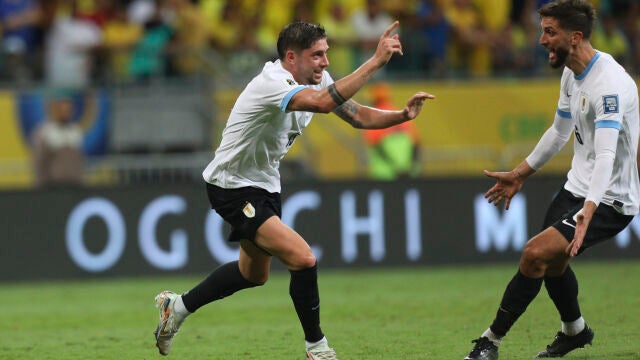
<point>507,185</point>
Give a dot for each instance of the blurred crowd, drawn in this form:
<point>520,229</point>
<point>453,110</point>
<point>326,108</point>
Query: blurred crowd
<point>76,43</point>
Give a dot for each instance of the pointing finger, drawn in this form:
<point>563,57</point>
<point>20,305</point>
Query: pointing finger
<point>391,27</point>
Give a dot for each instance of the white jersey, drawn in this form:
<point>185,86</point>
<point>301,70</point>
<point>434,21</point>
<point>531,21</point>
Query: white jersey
<point>260,131</point>
<point>603,96</point>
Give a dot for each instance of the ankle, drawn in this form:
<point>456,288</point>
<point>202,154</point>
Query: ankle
<point>493,337</point>
<point>320,343</point>
<point>180,309</point>
<point>573,328</point>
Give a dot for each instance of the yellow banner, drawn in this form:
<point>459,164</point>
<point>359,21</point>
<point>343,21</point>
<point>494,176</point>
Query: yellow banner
<point>14,152</point>
<point>464,130</point>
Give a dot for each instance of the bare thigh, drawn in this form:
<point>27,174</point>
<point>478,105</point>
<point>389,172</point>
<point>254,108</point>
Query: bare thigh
<point>273,238</point>
<point>284,243</point>
<point>545,254</point>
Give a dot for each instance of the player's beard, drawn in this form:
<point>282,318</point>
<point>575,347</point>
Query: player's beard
<point>561,58</point>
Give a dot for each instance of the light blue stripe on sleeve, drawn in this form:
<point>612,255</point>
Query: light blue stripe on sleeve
<point>612,124</point>
<point>287,98</point>
<point>563,114</point>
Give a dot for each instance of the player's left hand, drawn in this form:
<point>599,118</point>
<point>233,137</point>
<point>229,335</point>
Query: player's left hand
<point>583,218</point>
<point>414,105</point>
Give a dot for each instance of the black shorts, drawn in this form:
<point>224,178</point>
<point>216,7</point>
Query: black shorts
<point>245,209</point>
<point>605,224</point>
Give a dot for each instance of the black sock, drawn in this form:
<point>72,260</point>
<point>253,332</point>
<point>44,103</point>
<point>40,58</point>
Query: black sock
<point>518,295</point>
<point>303,289</point>
<point>222,282</point>
<point>563,290</point>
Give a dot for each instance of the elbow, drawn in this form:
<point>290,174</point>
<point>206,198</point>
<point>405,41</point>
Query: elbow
<point>323,106</point>
<point>326,105</point>
<point>325,109</point>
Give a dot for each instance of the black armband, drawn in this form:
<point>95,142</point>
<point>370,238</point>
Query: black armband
<point>335,95</point>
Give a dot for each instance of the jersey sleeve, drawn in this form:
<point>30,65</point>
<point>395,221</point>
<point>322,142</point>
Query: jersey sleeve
<point>608,104</point>
<point>276,87</point>
<point>609,110</point>
<point>564,107</point>
<point>560,131</point>
<point>294,89</point>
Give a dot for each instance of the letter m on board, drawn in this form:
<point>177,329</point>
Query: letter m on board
<point>499,230</point>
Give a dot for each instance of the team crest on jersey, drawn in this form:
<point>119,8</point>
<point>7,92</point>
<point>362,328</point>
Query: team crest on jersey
<point>584,103</point>
<point>248,210</point>
<point>610,104</point>
<point>290,82</point>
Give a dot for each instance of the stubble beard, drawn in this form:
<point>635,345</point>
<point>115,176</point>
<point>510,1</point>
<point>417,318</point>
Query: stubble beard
<point>561,58</point>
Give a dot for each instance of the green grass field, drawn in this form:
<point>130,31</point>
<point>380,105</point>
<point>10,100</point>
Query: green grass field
<point>418,313</point>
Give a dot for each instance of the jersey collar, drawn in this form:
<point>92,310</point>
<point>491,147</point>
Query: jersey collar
<point>588,68</point>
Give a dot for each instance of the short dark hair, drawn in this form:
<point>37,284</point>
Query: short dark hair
<point>298,36</point>
<point>572,15</point>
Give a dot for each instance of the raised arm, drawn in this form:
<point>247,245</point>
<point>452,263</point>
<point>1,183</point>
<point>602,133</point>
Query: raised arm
<point>338,93</point>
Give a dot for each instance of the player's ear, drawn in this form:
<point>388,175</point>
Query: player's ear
<point>576,37</point>
<point>290,56</point>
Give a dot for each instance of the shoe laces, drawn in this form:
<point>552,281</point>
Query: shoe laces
<point>172,324</point>
<point>171,321</point>
<point>325,354</point>
<point>558,338</point>
<point>482,344</point>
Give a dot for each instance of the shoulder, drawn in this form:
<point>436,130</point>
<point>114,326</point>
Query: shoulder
<point>273,77</point>
<point>610,68</point>
<point>611,75</point>
<point>273,71</point>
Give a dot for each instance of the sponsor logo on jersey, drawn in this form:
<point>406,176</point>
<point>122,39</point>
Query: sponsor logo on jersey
<point>290,82</point>
<point>610,104</point>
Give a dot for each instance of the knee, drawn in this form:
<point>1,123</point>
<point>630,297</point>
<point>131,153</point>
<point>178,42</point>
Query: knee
<point>532,262</point>
<point>305,261</point>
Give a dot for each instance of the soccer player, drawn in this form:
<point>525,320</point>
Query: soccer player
<point>599,104</point>
<point>243,182</point>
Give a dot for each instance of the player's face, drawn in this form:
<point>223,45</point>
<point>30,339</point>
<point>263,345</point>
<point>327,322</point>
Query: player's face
<point>311,62</point>
<point>556,41</point>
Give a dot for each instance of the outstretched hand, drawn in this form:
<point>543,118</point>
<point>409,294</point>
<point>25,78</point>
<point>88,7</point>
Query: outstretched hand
<point>414,105</point>
<point>388,44</point>
<point>507,185</point>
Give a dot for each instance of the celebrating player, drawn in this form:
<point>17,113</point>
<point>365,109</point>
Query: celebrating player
<point>599,104</point>
<point>243,181</point>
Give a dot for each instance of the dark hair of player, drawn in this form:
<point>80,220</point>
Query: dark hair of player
<point>298,36</point>
<point>572,15</point>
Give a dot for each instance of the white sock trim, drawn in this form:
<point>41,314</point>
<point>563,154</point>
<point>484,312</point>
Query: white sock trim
<point>321,342</point>
<point>179,308</point>
<point>573,328</point>
<point>495,339</point>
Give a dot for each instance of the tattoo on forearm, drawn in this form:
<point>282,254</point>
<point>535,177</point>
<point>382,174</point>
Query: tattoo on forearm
<point>348,112</point>
<point>335,95</point>
<point>368,74</point>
